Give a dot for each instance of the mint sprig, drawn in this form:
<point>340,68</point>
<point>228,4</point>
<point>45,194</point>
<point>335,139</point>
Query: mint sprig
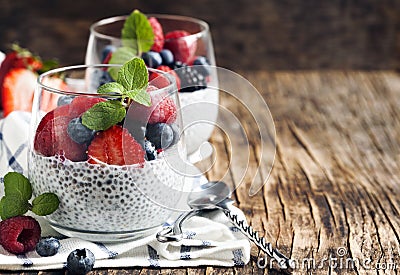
<point>18,192</point>
<point>137,37</point>
<point>130,86</point>
<point>137,32</point>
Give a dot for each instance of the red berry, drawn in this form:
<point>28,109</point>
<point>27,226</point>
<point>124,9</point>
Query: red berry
<point>158,80</point>
<point>167,69</point>
<point>81,104</point>
<point>158,35</point>
<point>19,234</point>
<point>52,138</point>
<point>181,44</point>
<point>163,110</point>
<point>115,146</point>
<point>18,88</point>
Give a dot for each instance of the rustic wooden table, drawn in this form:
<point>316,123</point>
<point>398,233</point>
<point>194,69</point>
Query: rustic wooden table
<point>332,201</point>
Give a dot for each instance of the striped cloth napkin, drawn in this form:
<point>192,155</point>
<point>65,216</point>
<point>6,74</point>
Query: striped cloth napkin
<point>208,240</point>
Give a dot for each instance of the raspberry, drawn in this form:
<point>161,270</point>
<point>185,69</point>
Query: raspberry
<point>158,35</point>
<point>115,146</point>
<point>181,44</point>
<point>164,110</point>
<point>19,234</point>
<point>167,69</point>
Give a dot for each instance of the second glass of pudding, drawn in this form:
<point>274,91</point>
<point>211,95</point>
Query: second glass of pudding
<point>113,184</point>
<point>186,47</point>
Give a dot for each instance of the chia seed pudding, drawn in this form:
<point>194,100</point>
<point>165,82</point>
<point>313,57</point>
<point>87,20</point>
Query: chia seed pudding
<point>106,198</point>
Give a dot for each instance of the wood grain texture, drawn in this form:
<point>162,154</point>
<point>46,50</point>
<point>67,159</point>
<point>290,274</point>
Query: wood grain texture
<point>256,35</point>
<point>334,189</point>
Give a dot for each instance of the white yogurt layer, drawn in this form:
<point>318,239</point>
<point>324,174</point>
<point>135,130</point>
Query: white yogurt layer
<point>106,198</point>
<point>199,115</point>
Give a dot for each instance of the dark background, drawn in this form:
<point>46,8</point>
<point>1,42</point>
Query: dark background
<point>247,34</point>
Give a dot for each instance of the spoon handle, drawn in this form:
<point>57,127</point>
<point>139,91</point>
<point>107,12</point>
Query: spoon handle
<point>283,261</point>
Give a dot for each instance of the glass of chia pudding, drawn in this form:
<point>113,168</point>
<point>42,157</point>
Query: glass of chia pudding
<point>105,147</point>
<point>174,43</point>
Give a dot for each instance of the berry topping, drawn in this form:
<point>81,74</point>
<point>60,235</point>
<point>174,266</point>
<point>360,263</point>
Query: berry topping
<point>167,57</point>
<point>79,132</point>
<point>81,104</point>
<point>160,134</point>
<point>151,151</point>
<point>19,234</point>
<point>106,53</point>
<point>47,247</point>
<point>158,34</point>
<point>172,72</point>
<point>202,65</point>
<point>191,79</point>
<point>52,138</point>
<point>64,100</point>
<point>181,44</point>
<point>80,261</point>
<point>115,146</point>
<point>152,59</point>
<point>163,110</point>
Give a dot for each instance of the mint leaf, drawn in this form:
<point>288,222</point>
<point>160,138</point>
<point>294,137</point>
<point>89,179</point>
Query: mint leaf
<point>111,88</point>
<point>103,115</point>
<point>140,96</point>
<point>13,205</point>
<point>133,74</point>
<point>137,32</point>
<point>120,56</point>
<point>45,204</point>
<point>17,184</point>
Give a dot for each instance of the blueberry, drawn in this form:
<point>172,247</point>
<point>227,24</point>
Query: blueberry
<point>160,134</point>
<point>79,132</point>
<point>47,246</point>
<point>202,65</point>
<point>64,100</point>
<point>105,77</point>
<point>80,261</point>
<point>167,57</point>
<point>151,151</point>
<point>106,50</point>
<point>152,59</point>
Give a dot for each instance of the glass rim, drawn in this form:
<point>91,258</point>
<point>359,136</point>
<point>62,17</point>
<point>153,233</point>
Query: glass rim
<point>171,88</point>
<point>109,20</point>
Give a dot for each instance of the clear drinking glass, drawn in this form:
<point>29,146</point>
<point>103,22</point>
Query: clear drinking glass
<point>125,195</point>
<point>199,107</point>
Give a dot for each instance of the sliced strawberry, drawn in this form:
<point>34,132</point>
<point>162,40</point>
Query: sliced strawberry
<point>81,104</point>
<point>115,146</point>
<point>52,138</point>
<point>158,34</point>
<point>18,88</point>
<point>181,44</point>
<point>167,69</point>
